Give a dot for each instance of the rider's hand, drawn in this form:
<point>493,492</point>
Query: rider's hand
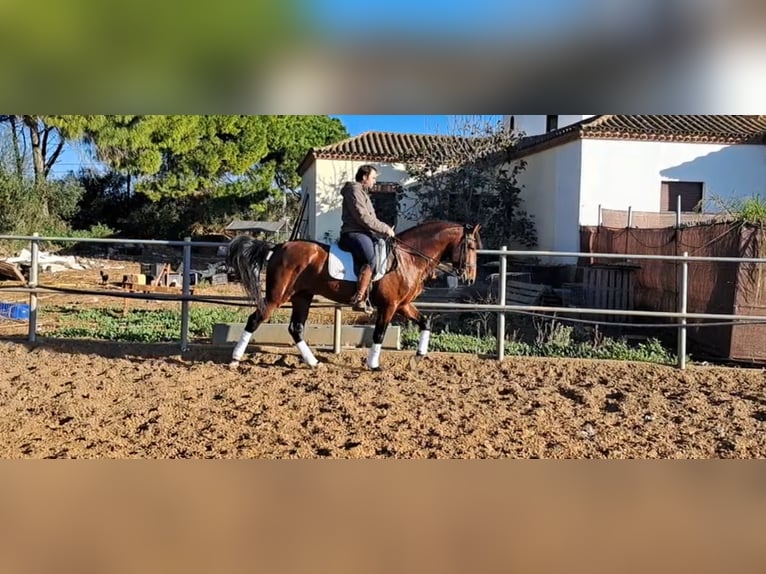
<point>390,232</point>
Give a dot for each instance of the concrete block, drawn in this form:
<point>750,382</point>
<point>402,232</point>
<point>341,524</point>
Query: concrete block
<point>315,335</point>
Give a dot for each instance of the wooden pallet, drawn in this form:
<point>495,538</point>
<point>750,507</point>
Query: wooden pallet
<point>609,287</point>
<point>519,292</point>
<point>10,271</point>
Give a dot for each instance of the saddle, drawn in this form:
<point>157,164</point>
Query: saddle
<point>340,263</point>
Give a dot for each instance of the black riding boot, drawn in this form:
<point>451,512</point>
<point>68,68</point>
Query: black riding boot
<point>359,300</point>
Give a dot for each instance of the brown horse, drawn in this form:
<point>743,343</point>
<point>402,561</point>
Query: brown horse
<point>298,270</point>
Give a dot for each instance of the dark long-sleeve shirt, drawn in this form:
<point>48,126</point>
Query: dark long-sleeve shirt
<point>357,213</point>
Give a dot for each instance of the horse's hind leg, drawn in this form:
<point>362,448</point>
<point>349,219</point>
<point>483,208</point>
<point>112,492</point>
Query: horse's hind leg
<point>253,322</point>
<point>385,314</point>
<point>301,304</point>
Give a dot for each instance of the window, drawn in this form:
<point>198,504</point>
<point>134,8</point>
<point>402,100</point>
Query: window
<point>551,123</point>
<point>385,200</point>
<point>690,193</point>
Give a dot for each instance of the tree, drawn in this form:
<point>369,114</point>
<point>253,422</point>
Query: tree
<point>177,156</point>
<point>194,172</point>
<point>29,199</point>
<point>44,141</point>
<point>470,176</point>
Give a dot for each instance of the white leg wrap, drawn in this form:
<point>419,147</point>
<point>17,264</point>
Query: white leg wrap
<point>425,336</point>
<point>306,353</point>
<point>373,359</point>
<point>239,350</point>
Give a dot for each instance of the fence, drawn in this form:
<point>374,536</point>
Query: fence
<point>501,308</point>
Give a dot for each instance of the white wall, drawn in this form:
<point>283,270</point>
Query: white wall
<point>308,186</point>
<point>622,174</point>
<point>327,178</point>
<point>551,194</point>
<point>568,174</point>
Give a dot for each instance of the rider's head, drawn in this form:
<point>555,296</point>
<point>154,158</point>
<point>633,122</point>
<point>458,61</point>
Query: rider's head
<point>367,175</point>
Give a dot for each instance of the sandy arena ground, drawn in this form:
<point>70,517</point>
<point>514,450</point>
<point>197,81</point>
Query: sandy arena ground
<point>76,399</point>
<point>90,399</point>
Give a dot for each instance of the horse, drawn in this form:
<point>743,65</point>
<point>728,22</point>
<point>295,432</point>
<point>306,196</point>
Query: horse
<point>297,270</point>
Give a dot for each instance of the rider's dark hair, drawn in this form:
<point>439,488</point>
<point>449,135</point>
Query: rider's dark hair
<point>364,170</point>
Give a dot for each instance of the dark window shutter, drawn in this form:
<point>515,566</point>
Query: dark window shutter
<point>551,123</point>
<point>385,200</point>
<point>689,191</point>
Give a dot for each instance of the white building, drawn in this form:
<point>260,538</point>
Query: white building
<point>577,168</point>
<point>326,169</point>
<point>638,162</point>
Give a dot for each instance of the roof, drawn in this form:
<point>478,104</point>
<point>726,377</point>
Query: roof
<point>723,129</point>
<point>381,147</point>
<point>265,226</point>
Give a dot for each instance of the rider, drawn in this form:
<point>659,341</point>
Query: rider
<point>359,223</point>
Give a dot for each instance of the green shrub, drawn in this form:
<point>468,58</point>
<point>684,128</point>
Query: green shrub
<point>559,343</point>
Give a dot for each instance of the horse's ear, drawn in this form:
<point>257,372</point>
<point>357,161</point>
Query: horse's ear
<point>476,229</point>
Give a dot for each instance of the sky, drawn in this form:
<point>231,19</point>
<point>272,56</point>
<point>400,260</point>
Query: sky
<point>410,124</point>
<point>345,20</point>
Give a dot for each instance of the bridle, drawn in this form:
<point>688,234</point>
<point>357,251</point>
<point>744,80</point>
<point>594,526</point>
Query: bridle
<point>461,267</point>
<point>468,242</point>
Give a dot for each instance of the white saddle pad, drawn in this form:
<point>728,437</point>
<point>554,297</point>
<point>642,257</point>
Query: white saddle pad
<point>340,265</point>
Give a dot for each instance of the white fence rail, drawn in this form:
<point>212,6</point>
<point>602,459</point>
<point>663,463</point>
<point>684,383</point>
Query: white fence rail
<point>501,308</point>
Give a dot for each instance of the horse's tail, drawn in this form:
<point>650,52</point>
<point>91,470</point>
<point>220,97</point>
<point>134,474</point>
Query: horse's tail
<point>246,256</point>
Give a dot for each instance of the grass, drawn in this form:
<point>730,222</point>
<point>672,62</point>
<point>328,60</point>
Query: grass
<point>139,325</point>
<point>554,339</point>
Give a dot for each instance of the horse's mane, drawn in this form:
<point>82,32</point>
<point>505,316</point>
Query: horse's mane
<point>433,227</point>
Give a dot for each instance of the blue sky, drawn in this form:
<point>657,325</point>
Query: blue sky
<point>348,20</point>
<point>411,124</point>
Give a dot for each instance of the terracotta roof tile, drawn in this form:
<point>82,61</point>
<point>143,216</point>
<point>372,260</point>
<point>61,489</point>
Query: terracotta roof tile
<point>724,129</point>
<point>381,146</point>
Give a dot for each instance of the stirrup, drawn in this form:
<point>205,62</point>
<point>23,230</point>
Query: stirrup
<point>363,306</point>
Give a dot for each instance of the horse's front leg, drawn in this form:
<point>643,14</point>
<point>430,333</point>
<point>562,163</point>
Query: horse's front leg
<point>424,324</point>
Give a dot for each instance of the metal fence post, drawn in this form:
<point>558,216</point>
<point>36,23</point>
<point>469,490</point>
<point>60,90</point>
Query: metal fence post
<point>33,279</point>
<point>501,287</point>
<point>336,328</point>
<point>682,301</point>
<point>186,292</point>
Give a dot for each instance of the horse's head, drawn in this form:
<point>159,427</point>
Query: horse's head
<point>464,253</point>
<point>440,241</point>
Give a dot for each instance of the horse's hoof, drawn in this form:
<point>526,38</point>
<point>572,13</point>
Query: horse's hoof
<point>415,361</point>
<point>234,365</point>
<point>317,367</point>
<point>376,369</point>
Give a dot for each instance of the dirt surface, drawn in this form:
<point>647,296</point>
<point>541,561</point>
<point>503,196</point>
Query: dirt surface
<point>104,400</point>
<point>86,399</point>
